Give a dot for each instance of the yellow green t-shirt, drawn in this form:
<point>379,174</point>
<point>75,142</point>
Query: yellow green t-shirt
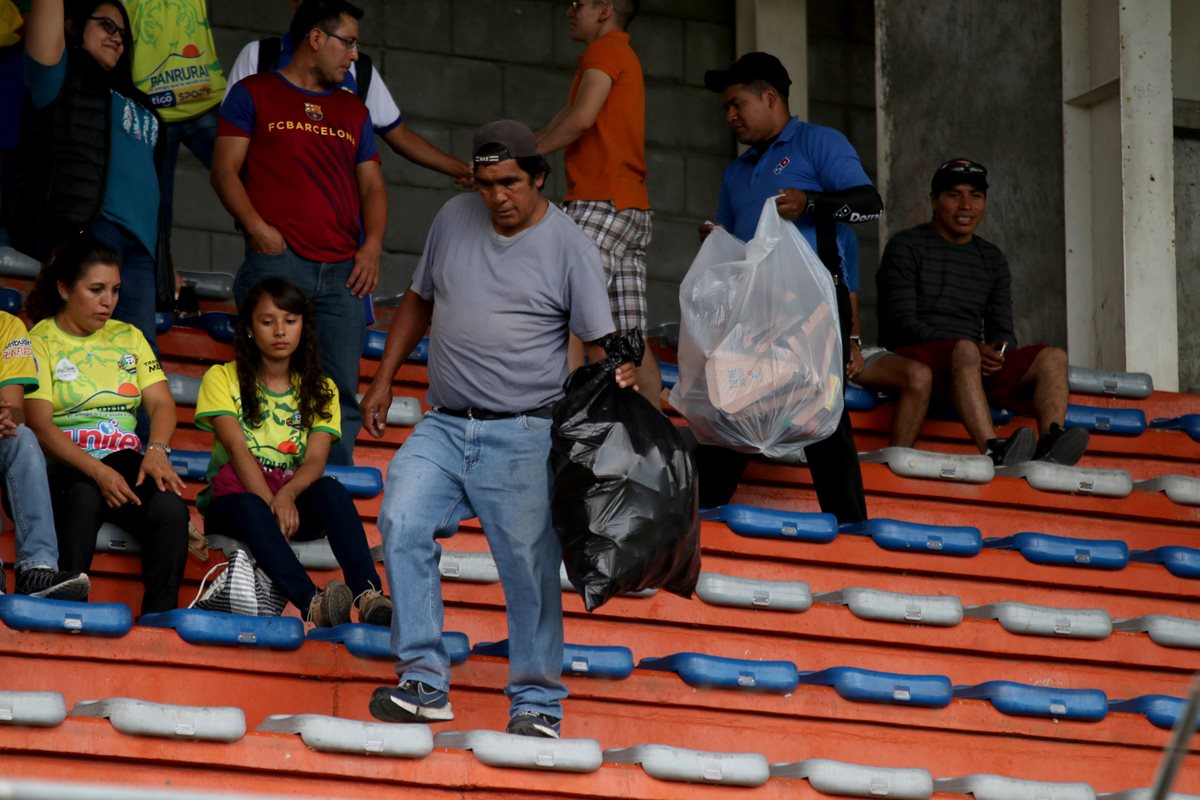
<point>174,57</point>
<point>279,441</point>
<point>95,382</point>
<point>17,366</point>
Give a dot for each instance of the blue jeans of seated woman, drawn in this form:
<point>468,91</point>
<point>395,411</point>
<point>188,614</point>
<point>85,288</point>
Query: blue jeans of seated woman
<point>137,301</point>
<point>341,326</point>
<point>448,470</point>
<point>325,509</point>
<point>27,500</point>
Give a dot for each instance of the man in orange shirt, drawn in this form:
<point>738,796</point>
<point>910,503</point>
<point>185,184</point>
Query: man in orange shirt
<point>603,128</point>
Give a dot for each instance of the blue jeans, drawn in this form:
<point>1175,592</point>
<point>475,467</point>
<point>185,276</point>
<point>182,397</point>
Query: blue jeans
<point>326,509</point>
<point>448,470</point>
<point>200,136</point>
<point>27,500</point>
<point>341,326</point>
<point>137,301</point>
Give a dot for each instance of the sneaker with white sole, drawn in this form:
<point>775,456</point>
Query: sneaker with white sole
<point>411,701</point>
<point>531,723</point>
<point>52,584</point>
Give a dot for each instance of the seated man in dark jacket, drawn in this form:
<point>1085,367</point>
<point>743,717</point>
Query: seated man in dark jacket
<point>945,300</point>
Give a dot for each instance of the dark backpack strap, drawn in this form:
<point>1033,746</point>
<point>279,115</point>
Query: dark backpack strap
<point>364,73</point>
<point>268,53</point>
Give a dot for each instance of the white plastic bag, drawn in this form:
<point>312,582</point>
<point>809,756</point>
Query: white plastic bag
<point>760,351</point>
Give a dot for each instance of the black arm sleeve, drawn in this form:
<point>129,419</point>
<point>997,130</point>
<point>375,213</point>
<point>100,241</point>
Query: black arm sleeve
<point>857,204</point>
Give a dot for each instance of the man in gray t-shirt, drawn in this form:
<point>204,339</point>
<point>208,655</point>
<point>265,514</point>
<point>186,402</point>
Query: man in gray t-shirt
<point>505,275</point>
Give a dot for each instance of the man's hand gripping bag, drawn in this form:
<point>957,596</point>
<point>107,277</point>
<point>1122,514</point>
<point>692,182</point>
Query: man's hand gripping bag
<point>624,502</point>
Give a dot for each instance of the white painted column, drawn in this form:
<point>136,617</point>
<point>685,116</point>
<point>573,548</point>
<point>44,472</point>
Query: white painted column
<point>1119,187</point>
<point>778,27</point>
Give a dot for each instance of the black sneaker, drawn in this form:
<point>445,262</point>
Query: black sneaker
<point>1014,449</point>
<point>411,701</point>
<point>531,723</point>
<point>52,584</point>
<point>1062,445</point>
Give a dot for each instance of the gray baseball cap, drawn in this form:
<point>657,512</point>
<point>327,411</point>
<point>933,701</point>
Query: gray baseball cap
<point>515,138</point>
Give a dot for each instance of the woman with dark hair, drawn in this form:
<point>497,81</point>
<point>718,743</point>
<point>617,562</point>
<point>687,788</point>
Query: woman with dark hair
<point>275,416</point>
<point>89,148</point>
<point>95,374</point>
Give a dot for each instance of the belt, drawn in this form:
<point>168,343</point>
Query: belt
<point>483,414</point>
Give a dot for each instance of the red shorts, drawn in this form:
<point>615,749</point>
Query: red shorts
<point>999,387</point>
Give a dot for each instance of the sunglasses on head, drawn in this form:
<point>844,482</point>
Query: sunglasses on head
<point>111,28</point>
<point>961,167</point>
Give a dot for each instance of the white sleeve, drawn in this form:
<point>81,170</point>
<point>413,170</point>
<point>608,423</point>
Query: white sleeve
<point>385,114</point>
<point>246,64</point>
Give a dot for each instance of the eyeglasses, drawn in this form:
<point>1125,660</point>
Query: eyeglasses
<point>963,167</point>
<point>111,28</point>
<point>351,44</point>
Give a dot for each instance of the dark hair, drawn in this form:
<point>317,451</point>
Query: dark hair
<point>67,264</point>
<point>120,77</point>
<point>313,394</point>
<point>627,11</point>
<point>319,14</point>
<point>533,166</point>
<point>760,85</point>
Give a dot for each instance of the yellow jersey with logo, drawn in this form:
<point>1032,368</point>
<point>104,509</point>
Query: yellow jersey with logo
<point>174,57</point>
<point>278,441</point>
<point>17,365</point>
<point>95,382</point>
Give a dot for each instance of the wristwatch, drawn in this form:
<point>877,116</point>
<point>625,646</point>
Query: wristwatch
<point>857,340</point>
<point>166,450</point>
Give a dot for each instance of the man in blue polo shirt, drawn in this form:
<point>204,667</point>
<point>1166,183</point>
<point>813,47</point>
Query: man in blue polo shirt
<point>817,180</point>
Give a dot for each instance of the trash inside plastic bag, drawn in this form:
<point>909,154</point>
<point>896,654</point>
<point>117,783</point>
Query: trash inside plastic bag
<point>624,502</point>
<point>760,350</point>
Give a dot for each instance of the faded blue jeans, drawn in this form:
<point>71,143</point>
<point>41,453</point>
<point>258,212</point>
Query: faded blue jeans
<point>341,326</point>
<point>448,470</point>
<point>27,500</point>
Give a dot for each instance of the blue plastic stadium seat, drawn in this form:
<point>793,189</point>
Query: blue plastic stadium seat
<point>1182,562</point>
<point>892,534</point>
<point>1089,705</point>
<point>578,659</point>
<point>23,613</point>
<point>1188,422</point>
<point>858,398</point>
<point>374,641</point>
<point>376,339</point>
<point>163,320</point>
<point>10,300</point>
<point>219,325</point>
<point>863,685</point>
<point>771,523</point>
<point>1042,548</point>
<point>197,626</point>
<point>1162,710</point>
<point>1124,421</point>
<point>359,481</point>
<point>670,375</point>
<point>698,669</point>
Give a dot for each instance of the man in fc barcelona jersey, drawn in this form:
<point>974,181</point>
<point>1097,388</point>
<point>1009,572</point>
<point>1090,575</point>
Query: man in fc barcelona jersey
<point>296,166</point>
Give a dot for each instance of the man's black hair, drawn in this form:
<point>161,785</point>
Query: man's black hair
<point>627,11</point>
<point>533,166</point>
<point>759,86</point>
<point>323,14</point>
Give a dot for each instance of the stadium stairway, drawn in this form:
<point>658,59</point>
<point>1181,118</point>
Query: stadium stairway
<point>854,652</point>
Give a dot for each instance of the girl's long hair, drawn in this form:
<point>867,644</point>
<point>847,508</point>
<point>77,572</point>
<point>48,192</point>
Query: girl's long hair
<point>68,263</point>
<point>313,394</point>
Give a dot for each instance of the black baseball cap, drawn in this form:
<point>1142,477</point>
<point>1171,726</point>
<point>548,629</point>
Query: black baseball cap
<point>956,171</point>
<point>515,139</point>
<point>747,69</point>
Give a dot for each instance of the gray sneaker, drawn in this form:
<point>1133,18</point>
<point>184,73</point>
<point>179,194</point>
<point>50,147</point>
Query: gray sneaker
<point>331,607</point>
<point>1015,449</point>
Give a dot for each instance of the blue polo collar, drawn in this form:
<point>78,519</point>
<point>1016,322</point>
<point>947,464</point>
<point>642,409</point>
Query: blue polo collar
<point>786,135</point>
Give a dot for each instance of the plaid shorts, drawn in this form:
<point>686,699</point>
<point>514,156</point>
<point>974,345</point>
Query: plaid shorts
<point>622,237</point>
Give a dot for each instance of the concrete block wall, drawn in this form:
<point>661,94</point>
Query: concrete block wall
<point>455,64</point>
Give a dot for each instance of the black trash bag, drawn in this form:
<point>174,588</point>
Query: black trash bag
<point>624,498</point>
